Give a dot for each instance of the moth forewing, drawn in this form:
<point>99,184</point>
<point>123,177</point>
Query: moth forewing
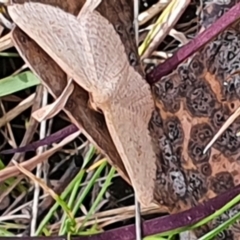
<point>57,33</point>
<point>127,119</point>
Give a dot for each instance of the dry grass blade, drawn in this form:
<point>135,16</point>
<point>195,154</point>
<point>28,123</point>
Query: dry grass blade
<point>32,163</point>
<point>34,179</point>
<point>6,42</point>
<point>179,36</point>
<point>45,188</point>
<point>164,24</point>
<point>22,106</point>
<point>152,11</point>
<point>193,46</point>
<point>32,124</point>
<point>224,127</point>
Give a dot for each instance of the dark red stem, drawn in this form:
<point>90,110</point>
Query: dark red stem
<point>157,225</point>
<point>193,46</point>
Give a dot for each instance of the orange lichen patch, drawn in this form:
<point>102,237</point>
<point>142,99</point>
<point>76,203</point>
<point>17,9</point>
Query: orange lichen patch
<point>215,85</point>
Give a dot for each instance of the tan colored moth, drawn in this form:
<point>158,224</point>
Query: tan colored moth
<point>90,51</point>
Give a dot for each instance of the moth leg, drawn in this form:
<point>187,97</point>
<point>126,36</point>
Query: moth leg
<point>49,111</point>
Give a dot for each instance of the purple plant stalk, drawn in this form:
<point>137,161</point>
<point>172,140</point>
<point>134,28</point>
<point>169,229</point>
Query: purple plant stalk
<point>157,225</point>
<point>53,138</point>
<point>171,222</point>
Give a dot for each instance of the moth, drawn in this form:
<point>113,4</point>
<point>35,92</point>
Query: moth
<point>91,123</point>
<point>89,50</point>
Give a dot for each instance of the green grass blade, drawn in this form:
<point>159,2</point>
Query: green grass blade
<point>220,228</point>
<point>71,201</point>
<point>85,193</point>
<point>5,233</point>
<point>78,179</point>
<point>219,212</point>
<point>74,191</point>
<point>56,205</point>
<point>17,83</point>
<point>9,54</point>
<point>106,184</point>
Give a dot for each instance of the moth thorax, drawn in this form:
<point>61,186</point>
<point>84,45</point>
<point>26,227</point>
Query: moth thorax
<point>100,99</point>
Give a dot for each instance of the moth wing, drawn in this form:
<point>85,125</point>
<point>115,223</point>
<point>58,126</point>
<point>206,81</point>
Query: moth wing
<point>128,121</point>
<point>88,49</point>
